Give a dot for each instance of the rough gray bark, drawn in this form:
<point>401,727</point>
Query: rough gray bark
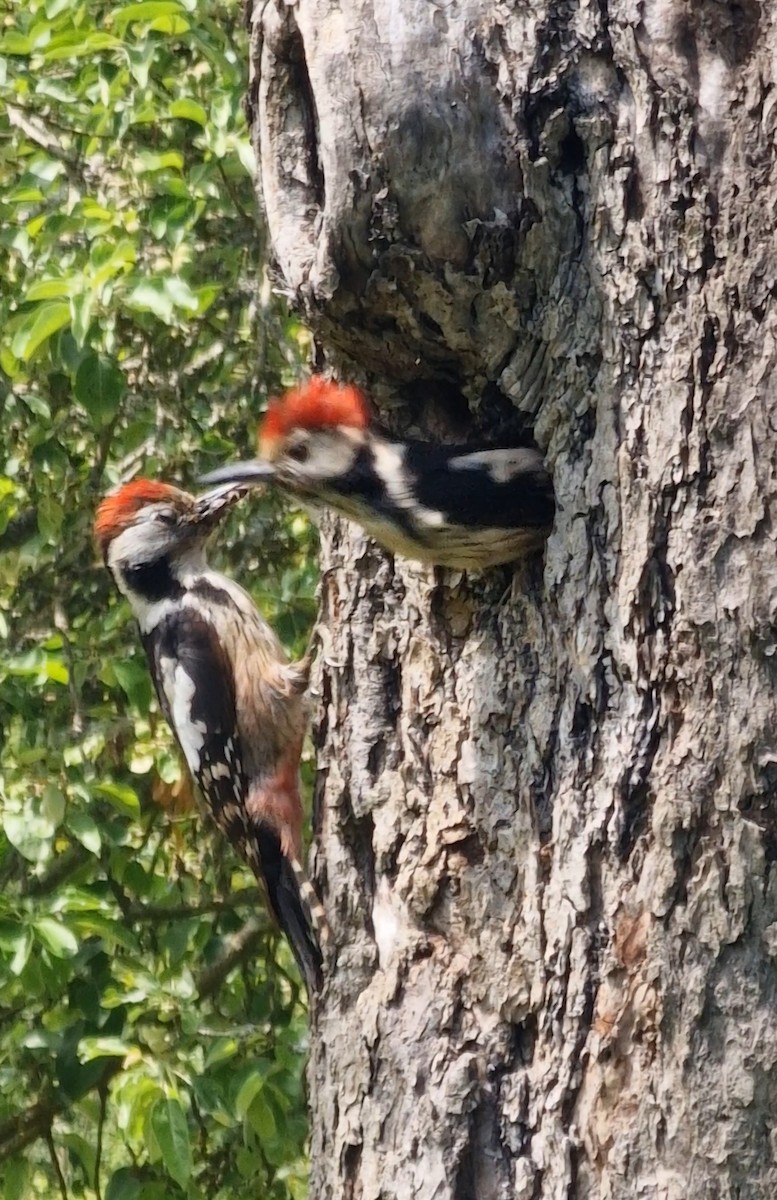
<point>546,803</point>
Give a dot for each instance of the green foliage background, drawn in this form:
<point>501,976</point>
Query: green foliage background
<point>151,1021</point>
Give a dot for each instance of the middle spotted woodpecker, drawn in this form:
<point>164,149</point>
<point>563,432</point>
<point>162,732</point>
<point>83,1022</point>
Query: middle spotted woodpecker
<point>233,701</point>
<point>453,506</point>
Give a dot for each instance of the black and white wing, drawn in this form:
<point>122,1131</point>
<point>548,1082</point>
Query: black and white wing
<point>501,488</point>
<point>196,690</point>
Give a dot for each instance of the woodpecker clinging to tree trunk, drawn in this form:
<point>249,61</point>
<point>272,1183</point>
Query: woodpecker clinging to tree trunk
<point>453,506</point>
<point>233,701</point>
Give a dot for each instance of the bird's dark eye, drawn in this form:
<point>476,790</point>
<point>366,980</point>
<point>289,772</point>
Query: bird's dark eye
<point>167,517</point>
<point>299,453</point>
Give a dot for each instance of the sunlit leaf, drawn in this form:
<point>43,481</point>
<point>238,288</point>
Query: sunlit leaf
<point>86,46</point>
<point>173,26</point>
<point>29,833</point>
<point>90,1048</point>
<point>56,937</point>
<point>37,406</point>
<point>49,289</point>
<point>151,296</point>
<point>124,799</point>
<point>148,10</point>
<point>38,327</point>
<point>181,294</point>
<point>85,828</point>
<point>189,110</point>
<point>15,43</point>
<point>150,161</point>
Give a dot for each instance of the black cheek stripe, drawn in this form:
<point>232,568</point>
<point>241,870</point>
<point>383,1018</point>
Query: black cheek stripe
<point>153,580</point>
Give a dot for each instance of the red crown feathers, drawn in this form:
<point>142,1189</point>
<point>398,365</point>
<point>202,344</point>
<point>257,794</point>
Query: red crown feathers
<point>117,510</point>
<point>313,405</point>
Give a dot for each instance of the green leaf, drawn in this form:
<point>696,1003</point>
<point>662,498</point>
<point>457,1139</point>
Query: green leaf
<point>168,1122</point>
<point>49,289</point>
<point>37,327</point>
<point>90,1048</point>
<point>112,932</point>
<point>52,805</point>
<point>205,296</point>
<point>142,760</point>
<point>172,26</point>
<point>56,937</point>
<point>124,1184</point>
<point>85,829</point>
<point>181,294</point>
<point>134,680</point>
<point>15,940</point>
<point>151,296</point>
<point>50,517</point>
<point>100,386</point>
<point>245,153</point>
<point>249,1090</point>
<point>46,169</point>
<point>189,110</point>
<point>123,798</point>
<point>83,1151</point>
<point>262,1120</point>
<point>221,1051</point>
<point>150,161</point>
<point>85,46</point>
<point>25,195</point>
<point>148,10</point>
<point>21,953</point>
<point>37,406</point>
<point>81,307</point>
<point>15,43</point>
<point>28,833</point>
<point>221,111</point>
<point>15,1179</point>
<point>56,671</point>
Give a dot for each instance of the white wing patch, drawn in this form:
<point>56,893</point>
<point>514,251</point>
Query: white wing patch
<point>501,465</point>
<point>389,463</point>
<point>179,689</point>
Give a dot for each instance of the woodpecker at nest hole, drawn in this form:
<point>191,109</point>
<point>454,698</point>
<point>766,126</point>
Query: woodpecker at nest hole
<point>451,506</point>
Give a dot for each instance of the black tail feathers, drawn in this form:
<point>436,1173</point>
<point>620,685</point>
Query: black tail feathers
<point>294,904</point>
<point>296,920</point>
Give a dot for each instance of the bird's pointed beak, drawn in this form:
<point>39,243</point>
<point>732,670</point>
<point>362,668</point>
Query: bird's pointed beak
<point>211,506</point>
<point>248,474</point>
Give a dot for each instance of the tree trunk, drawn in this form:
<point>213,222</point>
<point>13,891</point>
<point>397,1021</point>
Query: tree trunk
<point>546,813</point>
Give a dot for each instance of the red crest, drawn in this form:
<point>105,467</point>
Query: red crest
<point>117,511</point>
<point>317,404</point>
